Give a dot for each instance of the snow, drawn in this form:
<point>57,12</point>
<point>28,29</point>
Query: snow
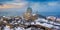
<point>19,28</point>
<point>48,25</point>
<point>6,28</point>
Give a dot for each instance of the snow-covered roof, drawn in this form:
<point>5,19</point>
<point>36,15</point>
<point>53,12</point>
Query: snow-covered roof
<point>33,14</point>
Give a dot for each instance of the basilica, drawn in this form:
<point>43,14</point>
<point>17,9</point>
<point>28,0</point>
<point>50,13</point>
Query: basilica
<point>28,15</point>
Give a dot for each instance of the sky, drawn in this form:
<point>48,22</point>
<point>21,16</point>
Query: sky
<point>36,5</point>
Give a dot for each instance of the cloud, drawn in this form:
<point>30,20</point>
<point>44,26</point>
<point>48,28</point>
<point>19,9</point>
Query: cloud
<point>40,6</point>
<point>14,5</point>
<point>18,7</point>
<point>5,0</point>
<point>53,3</point>
<point>42,0</point>
<point>46,6</point>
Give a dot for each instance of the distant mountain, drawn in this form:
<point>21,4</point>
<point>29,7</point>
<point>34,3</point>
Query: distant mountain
<point>1,4</point>
<point>41,16</point>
